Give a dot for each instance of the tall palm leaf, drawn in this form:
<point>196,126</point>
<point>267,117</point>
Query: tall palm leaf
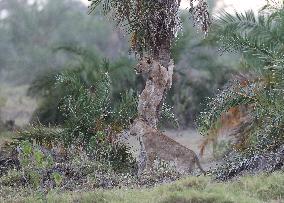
<point>259,40</point>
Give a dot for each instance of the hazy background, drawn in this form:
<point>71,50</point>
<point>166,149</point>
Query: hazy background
<point>32,31</point>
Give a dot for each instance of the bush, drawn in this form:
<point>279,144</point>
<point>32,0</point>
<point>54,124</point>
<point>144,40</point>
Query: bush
<point>87,68</point>
<point>89,120</point>
<point>42,170</point>
<point>261,131</point>
<point>37,167</point>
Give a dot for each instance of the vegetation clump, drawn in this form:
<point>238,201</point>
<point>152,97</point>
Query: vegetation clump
<point>260,132</point>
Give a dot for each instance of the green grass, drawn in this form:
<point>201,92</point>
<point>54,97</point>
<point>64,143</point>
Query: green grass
<point>250,189</point>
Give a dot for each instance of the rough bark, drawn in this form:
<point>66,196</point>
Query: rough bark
<point>159,74</point>
<point>158,82</point>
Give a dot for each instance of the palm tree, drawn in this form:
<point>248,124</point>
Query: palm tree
<point>153,26</point>
<point>259,39</point>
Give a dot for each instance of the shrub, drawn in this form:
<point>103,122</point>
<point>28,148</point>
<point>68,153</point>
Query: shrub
<point>90,119</point>
<point>261,131</point>
<point>37,166</point>
<point>88,69</point>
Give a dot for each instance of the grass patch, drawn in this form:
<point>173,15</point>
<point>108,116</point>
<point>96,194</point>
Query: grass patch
<point>250,189</point>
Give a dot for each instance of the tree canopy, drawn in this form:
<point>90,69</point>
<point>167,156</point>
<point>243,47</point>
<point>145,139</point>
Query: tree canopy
<point>152,24</point>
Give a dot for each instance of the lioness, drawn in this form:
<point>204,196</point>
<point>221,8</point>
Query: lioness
<point>155,144</point>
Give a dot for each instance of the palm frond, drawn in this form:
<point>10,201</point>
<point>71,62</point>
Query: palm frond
<point>257,38</point>
<point>150,23</point>
<point>251,35</point>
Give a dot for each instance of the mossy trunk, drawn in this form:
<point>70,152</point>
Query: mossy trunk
<point>159,71</point>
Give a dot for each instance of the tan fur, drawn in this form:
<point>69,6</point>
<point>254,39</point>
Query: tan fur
<point>159,145</point>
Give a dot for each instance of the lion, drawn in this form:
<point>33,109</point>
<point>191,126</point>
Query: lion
<point>155,144</point>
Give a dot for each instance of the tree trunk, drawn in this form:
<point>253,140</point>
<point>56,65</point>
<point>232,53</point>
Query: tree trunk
<point>159,71</point>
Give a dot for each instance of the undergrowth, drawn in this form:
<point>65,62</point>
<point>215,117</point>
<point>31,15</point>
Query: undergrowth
<point>249,189</point>
<point>259,89</point>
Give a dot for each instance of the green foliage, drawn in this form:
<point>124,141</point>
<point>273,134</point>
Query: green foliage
<point>83,111</point>
<point>88,112</point>
<point>49,98</point>
<point>87,67</point>
<point>168,116</point>
<point>257,37</point>
<point>57,178</point>
<point>260,42</point>
<point>12,178</point>
<point>87,70</point>
<point>151,23</point>
<point>90,118</point>
<point>35,165</point>
<point>40,134</point>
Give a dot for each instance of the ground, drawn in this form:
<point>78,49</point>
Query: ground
<point>255,189</point>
